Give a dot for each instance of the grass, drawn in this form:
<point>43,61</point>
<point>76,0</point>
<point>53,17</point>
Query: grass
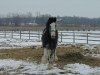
<point>21,53</point>
<point>66,55</point>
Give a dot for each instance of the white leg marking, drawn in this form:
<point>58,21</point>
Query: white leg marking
<point>55,58</point>
<point>46,56</point>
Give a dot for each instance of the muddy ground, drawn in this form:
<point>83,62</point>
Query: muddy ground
<point>66,55</point>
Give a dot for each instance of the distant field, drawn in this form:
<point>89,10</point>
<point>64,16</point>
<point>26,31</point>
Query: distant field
<point>39,28</point>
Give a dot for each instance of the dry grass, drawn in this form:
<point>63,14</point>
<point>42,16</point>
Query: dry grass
<point>66,55</point>
<point>22,53</point>
<point>72,54</point>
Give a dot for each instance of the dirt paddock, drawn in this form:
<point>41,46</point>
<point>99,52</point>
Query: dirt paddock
<point>66,55</point>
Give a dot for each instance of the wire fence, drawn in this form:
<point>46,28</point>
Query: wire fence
<point>86,37</point>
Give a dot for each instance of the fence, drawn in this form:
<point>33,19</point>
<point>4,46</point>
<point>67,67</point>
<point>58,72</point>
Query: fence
<point>30,35</point>
<point>88,37</point>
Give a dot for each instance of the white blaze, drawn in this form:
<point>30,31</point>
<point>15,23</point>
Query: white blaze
<point>53,29</point>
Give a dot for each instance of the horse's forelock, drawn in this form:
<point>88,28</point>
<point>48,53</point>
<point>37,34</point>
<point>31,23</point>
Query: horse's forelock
<point>50,20</point>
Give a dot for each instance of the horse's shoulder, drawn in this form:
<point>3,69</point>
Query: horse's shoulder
<point>57,32</point>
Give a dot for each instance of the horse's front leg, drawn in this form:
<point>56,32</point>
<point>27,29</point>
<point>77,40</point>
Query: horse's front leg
<point>46,56</point>
<point>53,56</point>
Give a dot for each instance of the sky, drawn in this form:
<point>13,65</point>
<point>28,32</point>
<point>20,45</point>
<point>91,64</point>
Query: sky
<point>81,8</point>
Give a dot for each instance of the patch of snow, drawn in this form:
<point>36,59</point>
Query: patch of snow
<point>13,67</point>
<point>82,69</point>
<point>87,46</point>
<point>22,67</point>
<point>96,55</point>
<point>7,43</point>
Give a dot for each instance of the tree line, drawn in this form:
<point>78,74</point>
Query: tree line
<point>28,19</point>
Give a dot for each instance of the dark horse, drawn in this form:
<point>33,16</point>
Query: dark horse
<point>49,41</point>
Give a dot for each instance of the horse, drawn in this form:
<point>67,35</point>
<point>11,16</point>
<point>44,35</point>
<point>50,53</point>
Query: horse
<point>49,41</point>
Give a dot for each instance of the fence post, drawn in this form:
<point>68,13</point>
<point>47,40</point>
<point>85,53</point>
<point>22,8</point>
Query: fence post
<point>29,34</point>
<point>12,34</point>
<point>87,38</point>
<point>39,35</point>
<point>61,36</point>
<point>5,34</point>
<point>73,37</point>
<point>20,34</point>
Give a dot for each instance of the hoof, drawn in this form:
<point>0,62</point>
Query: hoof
<point>56,58</point>
<point>50,66</point>
<point>44,60</point>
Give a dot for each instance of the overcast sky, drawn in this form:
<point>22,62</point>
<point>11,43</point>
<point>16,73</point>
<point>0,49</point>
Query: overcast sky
<point>82,8</point>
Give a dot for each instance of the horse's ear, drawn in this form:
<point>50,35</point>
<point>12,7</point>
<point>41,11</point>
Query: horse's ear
<point>51,19</point>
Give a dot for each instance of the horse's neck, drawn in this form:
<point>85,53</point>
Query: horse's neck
<point>45,30</point>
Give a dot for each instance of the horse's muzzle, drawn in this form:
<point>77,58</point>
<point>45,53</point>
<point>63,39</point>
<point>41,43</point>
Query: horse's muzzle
<point>53,37</point>
<point>53,34</point>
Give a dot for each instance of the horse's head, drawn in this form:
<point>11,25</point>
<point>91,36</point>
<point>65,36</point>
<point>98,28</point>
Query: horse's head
<point>51,26</point>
